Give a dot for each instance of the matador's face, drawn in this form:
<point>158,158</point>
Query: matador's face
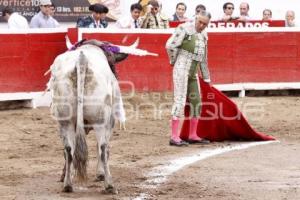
<point>201,23</point>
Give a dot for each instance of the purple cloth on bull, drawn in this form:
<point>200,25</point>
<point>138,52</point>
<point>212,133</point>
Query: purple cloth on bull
<point>107,47</point>
<point>110,48</point>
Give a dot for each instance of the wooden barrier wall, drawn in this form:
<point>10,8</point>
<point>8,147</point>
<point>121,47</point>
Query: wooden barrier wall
<point>24,58</point>
<point>234,57</point>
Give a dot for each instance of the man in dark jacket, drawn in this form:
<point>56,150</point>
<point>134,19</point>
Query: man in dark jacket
<point>96,20</point>
<point>180,11</point>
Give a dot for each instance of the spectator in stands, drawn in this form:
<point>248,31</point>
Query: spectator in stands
<point>180,11</point>
<point>199,8</point>
<point>52,9</point>
<point>267,15</point>
<point>159,5</point>
<point>134,20</point>
<point>162,15</point>
<point>43,19</point>
<point>14,20</point>
<point>52,12</point>
<point>228,9</point>
<point>244,12</point>
<point>97,19</point>
<point>290,18</point>
<point>153,19</point>
<point>144,4</point>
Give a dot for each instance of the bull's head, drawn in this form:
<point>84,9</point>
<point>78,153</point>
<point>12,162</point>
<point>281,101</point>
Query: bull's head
<point>132,49</point>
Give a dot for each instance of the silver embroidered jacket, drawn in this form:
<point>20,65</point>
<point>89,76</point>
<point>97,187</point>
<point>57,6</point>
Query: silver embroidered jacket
<point>176,54</point>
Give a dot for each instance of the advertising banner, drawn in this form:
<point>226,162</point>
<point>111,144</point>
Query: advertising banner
<point>66,10</point>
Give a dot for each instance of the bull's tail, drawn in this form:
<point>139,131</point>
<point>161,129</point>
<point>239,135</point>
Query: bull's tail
<point>81,150</point>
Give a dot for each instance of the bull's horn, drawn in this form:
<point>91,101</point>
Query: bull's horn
<point>47,72</point>
<point>68,42</point>
<point>135,51</point>
<point>136,43</point>
<point>124,39</point>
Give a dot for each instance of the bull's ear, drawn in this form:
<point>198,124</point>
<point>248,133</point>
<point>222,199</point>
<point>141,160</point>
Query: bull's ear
<point>136,43</point>
<point>68,42</point>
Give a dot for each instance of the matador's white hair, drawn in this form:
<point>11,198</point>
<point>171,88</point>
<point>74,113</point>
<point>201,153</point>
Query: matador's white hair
<point>203,13</point>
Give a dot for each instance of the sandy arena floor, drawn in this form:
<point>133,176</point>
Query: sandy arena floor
<point>31,155</point>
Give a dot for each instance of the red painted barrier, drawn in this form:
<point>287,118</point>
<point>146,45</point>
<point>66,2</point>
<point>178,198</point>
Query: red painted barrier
<point>145,73</point>
<point>24,58</point>
<point>247,24</point>
<point>234,57</point>
<point>239,24</point>
<point>254,57</point>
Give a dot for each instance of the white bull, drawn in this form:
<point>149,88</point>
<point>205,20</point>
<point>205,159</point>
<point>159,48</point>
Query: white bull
<point>86,95</point>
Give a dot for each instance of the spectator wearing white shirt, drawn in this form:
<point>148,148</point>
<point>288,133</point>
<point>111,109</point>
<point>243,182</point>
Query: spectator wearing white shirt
<point>244,12</point>
<point>134,20</point>
<point>52,12</point>
<point>228,9</point>
<point>290,18</point>
<point>14,20</point>
<point>199,8</point>
<point>267,15</point>
<point>43,19</point>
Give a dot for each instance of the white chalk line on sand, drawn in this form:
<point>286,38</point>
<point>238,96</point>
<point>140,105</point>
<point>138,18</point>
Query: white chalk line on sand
<point>159,175</point>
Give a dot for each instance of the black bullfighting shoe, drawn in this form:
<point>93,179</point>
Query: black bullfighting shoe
<point>178,144</point>
<point>201,141</point>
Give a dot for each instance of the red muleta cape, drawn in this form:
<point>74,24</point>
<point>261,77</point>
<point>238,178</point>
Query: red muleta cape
<point>220,119</point>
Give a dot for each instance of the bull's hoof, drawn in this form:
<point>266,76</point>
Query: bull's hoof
<point>99,178</point>
<point>68,189</point>
<point>111,190</point>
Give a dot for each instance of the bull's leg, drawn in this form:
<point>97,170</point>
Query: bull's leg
<point>68,182</point>
<point>68,135</point>
<point>63,174</point>
<point>103,135</point>
<point>100,168</point>
<point>108,183</point>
